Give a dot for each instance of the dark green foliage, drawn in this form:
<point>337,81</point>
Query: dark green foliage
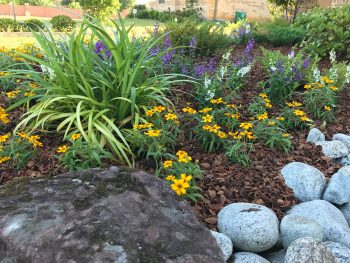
<point>326,29</point>
<point>210,37</point>
<point>33,25</point>
<point>9,25</point>
<point>62,23</point>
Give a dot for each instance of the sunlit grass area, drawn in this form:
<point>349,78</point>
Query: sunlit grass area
<point>10,40</point>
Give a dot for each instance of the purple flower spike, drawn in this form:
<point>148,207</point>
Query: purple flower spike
<point>306,63</point>
<point>193,43</point>
<point>101,50</point>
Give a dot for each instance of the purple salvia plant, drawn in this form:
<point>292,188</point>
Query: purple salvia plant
<point>212,65</point>
<point>199,70</point>
<point>193,43</point>
<point>101,50</point>
<point>306,63</point>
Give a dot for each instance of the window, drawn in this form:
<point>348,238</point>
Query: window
<point>161,1</point>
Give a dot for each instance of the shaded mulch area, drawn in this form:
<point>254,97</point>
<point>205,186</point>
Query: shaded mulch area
<point>225,182</point>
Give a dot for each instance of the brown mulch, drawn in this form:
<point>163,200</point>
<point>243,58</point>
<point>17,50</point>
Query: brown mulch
<point>225,182</point>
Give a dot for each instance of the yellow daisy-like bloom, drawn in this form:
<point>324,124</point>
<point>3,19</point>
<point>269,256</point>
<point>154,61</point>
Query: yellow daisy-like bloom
<point>246,125</point>
<point>217,101</point>
<point>4,159</point>
<point>247,134</point>
<point>170,178</point>
<point>158,109</point>
<point>304,118</point>
<point>76,136</point>
<point>268,105</point>
<point>180,186</point>
<point>285,135</point>
<point>167,163</point>
<point>189,110</point>
<point>4,138</point>
<point>271,123</point>
<point>153,133</point>
<point>183,156</point>
<point>280,118</point>
<point>299,113</point>
<point>232,115</point>
<point>207,118</point>
<point>150,112</point>
<point>232,106</point>
<point>307,86</point>
<point>205,110</point>
<point>186,178</point>
<point>211,128</point>
<point>235,135</point>
<point>222,135</point>
<point>333,88</point>
<point>294,104</point>
<point>327,80</point>
<point>263,116</point>
<point>62,149</point>
<point>33,85</point>
<point>263,95</point>
<point>12,94</point>
<point>327,108</point>
<point>29,94</point>
<point>170,116</point>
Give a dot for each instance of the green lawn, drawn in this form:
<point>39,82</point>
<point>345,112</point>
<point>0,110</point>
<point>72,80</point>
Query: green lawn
<point>141,28</point>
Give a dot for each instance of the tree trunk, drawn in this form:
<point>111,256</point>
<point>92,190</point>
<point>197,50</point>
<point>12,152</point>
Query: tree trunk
<point>296,10</point>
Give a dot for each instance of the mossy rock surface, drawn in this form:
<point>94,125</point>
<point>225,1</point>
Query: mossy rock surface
<point>113,215</point>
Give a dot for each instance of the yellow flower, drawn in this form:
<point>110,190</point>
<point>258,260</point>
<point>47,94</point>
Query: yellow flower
<point>185,177</point>
<point>158,109</point>
<point>168,163</point>
<point>143,126</point>
<point>235,135</point>
<point>62,149</point>
<point>33,85</point>
<point>280,118</point>
<point>29,94</point>
<point>232,106</point>
<point>3,138</point>
<point>4,159</point>
<point>189,110</point>
<point>207,118</point>
<point>294,104</point>
<point>150,112</point>
<point>272,123</point>
<point>205,110</point>
<point>263,116</point>
<point>333,88</point>
<point>12,94</point>
<point>247,134</point>
<point>153,133</point>
<point>170,178</point>
<point>170,116</point>
<point>217,101</point>
<point>299,113</point>
<point>183,156</point>
<point>327,80</point>
<point>4,116</point>
<point>179,187</point>
<point>307,86</point>
<point>211,128</point>
<point>304,118</point>
<point>246,125</point>
<point>76,136</point>
<point>285,134</point>
<point>222,135</point>
<point>327,108</point>
<point>268,105</point>
<point>263,95</point>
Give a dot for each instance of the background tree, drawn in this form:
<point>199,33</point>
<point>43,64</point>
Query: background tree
<point>125,4</point>
<point>100,9</point>
<point>290,6</point>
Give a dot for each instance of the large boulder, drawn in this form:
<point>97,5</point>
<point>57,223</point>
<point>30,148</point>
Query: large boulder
<point>247,257</point>
<point>345,139</point>
<point>252,228</point>
<point>334,149</point>
<point>345,209</point>
<point>294,227</point>
<point>345,160</point>
<point>99,215</point>
<point>338,189</point>
<point>341,252</point>
<point>276,257</point>
<point>306,250</point>
<point>333,223</point>
<point>315,135</point>
<point>225,243</point>
<point>307,182</point>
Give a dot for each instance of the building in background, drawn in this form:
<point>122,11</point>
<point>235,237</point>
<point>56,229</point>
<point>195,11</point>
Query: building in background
<point>225,9</point>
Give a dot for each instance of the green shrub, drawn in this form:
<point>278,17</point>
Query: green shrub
<point>98,90</point>
<point>210,37</point>
<point>9,25</point>
<point>278,33</point>
<point>62,23</point>
<point>326,30</point>
<point>33,25</point>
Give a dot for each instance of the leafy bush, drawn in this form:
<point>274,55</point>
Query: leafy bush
<point>62,23</point>
<point>166,16</point>
<point>326,30</point>
<point>101,10</point>
<point>9,25</point>
<point>33,25</point>
<point>98,89</point>
<point>210,37</point>
<point>278,33</point>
